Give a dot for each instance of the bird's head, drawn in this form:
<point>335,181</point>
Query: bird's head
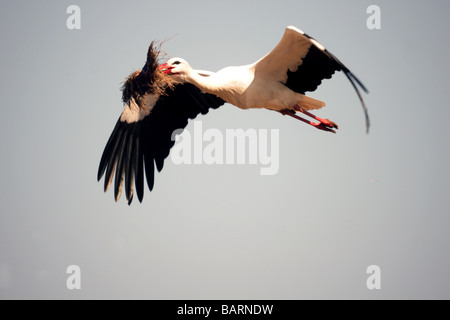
<point>175,66</point>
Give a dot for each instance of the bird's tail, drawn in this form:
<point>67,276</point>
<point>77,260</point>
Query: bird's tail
<point>308,103</point>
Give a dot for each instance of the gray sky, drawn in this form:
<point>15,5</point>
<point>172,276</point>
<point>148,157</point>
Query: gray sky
<point>339,203</point>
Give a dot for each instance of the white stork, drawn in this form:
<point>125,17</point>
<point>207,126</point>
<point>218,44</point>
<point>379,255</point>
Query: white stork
<point>161,98</point>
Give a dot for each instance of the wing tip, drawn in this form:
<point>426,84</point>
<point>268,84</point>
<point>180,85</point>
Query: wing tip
<point>130,200</point>
<point>294,28</point>
<point>100,175</point>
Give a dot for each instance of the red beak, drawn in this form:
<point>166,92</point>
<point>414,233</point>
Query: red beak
<point>165,68</point>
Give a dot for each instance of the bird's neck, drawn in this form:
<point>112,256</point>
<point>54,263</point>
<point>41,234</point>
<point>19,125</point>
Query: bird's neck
<point>206,84</point>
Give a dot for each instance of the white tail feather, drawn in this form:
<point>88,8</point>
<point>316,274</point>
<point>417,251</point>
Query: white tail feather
<point>308,103</point>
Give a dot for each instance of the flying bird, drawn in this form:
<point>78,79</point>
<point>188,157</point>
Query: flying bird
<point>160,99</point>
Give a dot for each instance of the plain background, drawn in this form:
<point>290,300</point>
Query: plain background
<point>339,203</point>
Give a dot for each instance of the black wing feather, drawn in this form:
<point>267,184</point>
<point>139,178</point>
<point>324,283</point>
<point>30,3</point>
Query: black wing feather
<point>130,165</point>
<point>135,148</point>
<point>149,167</point>
<point>321,64</point>
<point>120,166</point>
<point>315,67</point>
<point>139,162</point>
<point>146,143</point>
<point>110,145</point>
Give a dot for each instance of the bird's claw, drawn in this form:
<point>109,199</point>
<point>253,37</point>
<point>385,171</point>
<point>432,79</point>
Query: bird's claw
<point>329,123</point>
<point>325,126</point>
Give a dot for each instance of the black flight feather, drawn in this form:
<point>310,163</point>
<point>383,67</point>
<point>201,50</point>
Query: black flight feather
<point>134,149</point>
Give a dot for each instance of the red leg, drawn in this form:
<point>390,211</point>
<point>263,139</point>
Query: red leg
<point>325,122</point>
<point>318,125</point>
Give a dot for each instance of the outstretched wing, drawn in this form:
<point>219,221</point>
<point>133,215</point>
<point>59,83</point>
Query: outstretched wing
<point>142,136</point>
<point>301,63</point>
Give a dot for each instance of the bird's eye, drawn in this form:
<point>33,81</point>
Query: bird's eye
<point>176,62</point>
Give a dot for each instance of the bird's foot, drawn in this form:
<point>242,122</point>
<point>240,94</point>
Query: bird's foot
<point>323,124</point>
